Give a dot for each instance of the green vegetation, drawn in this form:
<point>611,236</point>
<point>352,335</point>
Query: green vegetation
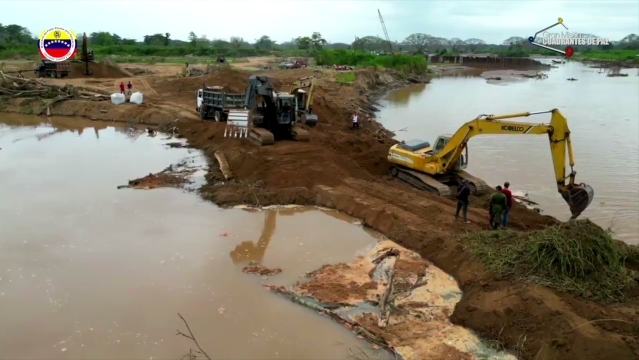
<point>404,63</point>
<point>345,77</point>
<point>612,55</point>
<point>18,42</point>
<point>577,257</point>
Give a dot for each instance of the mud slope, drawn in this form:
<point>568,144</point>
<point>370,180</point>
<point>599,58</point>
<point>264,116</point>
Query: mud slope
<point>347,170</point>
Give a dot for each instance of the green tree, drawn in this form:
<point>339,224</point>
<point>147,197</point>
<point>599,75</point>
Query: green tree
<point>473,44</point>
<point>418,41</point>
<point>192,39</point>
<point>167,39</point>
<point>303,42</point>
<point>264,43</point>
<point>317,41</point>
<point>236,41</point>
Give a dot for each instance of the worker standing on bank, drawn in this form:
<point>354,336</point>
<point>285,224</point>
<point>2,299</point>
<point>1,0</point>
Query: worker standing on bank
<point>509,203</point>
<point>463,192</point>
<point>129,88</point>
<point>355,121</point>
<point>498,204</point>
<point>122,88</point>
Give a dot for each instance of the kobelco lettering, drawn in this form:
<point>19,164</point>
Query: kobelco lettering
<point>512,128</point>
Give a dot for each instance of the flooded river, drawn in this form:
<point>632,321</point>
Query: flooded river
<point>603,118</point>
<point>88,271</point>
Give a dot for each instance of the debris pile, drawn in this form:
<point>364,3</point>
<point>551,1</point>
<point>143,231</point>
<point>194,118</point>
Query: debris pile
<point>258,269</point>
<point>20,87</point>
<point>210,68</point>
<point>139,71</point>
<point>172,176</point>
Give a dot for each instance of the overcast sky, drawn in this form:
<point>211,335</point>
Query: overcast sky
<point>336,20</point>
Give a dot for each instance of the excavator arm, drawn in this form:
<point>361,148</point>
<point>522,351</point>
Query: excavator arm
<point>578,196</point>
<point>305,87</point>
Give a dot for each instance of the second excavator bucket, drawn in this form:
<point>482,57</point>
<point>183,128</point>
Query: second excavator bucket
<point>578,198</point>
<point>237,124</point>
<point>309,120</point>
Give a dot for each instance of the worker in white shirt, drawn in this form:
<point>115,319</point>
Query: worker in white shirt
<point>355,121</point>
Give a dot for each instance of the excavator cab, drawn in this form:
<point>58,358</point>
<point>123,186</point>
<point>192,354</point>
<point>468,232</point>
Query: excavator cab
<point>441,142</point>
<point>286,107</point>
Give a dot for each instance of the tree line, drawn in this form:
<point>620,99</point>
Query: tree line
<point>15,36</point>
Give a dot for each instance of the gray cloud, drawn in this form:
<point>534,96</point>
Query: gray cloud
<point>338,21</point>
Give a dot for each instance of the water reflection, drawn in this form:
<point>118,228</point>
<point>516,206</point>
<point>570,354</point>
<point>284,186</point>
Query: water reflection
<point>58,124</point>
<point>249,251</point>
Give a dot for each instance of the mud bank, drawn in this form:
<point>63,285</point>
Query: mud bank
<point>347,170</point>
<point>396,300</point>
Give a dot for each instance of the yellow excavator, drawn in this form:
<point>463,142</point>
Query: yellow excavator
<point>435,168</point>
<point>303,89</point>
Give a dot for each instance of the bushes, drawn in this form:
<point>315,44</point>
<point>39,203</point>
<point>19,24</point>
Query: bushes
<point>577,257</point>
<point>407,64</point>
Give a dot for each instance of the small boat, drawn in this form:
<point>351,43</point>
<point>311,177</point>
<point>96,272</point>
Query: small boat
<point>572,79</point>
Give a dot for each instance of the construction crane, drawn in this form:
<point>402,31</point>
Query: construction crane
<point>381,20</point>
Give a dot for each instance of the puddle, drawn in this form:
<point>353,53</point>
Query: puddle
<point>89,271</point>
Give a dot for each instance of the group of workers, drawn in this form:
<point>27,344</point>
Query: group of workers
<point>499,208</point>
<point>129,88</point>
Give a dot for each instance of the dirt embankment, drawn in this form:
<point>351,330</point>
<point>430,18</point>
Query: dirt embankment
<point>347,170</point>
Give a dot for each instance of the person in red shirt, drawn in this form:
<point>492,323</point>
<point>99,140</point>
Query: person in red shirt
<point>509,201</point>
<point>122,88</point>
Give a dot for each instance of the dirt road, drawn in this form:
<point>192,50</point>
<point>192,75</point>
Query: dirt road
<point>347,170</point>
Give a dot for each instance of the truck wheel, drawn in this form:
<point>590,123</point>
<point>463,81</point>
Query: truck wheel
<point>218,116</point>
<point>54,74</point>
<point>202,114</point>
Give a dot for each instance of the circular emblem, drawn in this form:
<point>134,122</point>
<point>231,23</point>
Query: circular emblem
<point>57,44</point>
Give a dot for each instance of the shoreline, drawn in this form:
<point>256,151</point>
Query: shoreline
<point>344,171</point>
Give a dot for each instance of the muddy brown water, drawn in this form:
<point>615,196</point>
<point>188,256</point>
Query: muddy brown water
<point>91,272</point>
<point>602,114</point>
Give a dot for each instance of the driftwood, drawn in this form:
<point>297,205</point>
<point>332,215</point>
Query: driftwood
<point>384,312</point>
<point>224,165</point>
<point>35,88</point>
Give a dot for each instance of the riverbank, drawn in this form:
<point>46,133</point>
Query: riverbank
<point>347,171</point>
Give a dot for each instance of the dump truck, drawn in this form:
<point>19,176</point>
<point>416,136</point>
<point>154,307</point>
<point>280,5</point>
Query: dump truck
<point>213,102</point>
<point>53,69</point>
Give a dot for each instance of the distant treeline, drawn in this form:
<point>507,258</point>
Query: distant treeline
<point>17,41</point>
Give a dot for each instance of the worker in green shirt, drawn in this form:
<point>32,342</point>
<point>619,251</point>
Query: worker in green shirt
<point>498,204</point>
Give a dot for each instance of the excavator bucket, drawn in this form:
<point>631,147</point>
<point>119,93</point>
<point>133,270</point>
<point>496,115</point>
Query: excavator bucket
<point>309,120</point>
<point>237,124</point>
<point>578,198</point>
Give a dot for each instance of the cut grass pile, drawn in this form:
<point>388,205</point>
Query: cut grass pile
<point>345,77</point>
<point>577,257</point>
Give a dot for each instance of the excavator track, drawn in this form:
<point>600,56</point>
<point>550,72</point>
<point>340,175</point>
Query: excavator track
<point>300,134</point>
<point>481,187</point>
<point>421,181</point>
<point>261,137</point>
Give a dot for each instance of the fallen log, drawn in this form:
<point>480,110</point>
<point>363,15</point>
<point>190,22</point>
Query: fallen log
<point>224,165</point>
